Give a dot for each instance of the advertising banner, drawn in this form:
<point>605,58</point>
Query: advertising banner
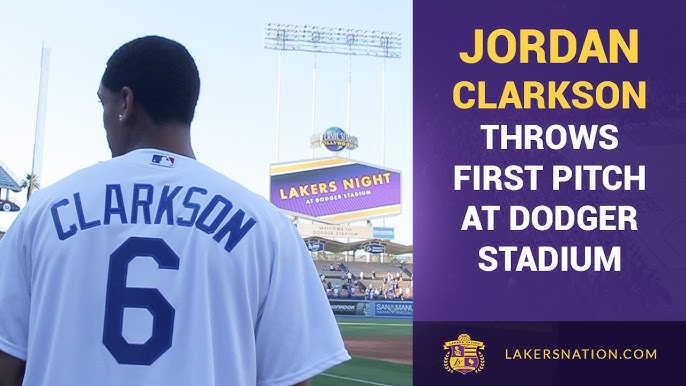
<point>393,309</point>
<point>398,309</point>
<point>335,190</point>
<point>349,307</point>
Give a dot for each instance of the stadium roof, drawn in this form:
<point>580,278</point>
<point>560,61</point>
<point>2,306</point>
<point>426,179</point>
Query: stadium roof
<point>339,247</point>
<point>8,180</point>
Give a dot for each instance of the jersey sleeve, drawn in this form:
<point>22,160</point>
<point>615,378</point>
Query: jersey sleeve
<point>297,336</point>
<point>15,294</point>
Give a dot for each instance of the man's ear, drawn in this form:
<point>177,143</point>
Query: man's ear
<point>127,103</point>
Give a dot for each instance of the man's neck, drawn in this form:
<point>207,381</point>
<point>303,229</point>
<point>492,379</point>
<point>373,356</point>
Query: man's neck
<point>172,138</point>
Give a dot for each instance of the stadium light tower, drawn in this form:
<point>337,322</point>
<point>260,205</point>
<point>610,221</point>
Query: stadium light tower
<point>331,40</point>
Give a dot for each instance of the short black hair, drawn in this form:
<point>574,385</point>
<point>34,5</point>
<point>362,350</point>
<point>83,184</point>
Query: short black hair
<point>162,74</point>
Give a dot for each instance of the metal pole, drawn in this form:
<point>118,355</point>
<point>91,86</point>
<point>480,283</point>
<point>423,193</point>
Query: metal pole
<point>350,60</point>
<point>36,169</point>
<point>314,97</point>
<point>383,118</point>
<point>278,109</point>
<point>383,113</point>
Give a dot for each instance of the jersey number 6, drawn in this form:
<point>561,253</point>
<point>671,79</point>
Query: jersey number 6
<point>119,297</point>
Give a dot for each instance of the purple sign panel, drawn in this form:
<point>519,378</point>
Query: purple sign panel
<point>549,149</point>
<point>335,190</point>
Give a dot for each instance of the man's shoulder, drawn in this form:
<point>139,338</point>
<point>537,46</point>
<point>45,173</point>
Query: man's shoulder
<point>235,191</point>
<point>66,184</point>
<point>193,173</point>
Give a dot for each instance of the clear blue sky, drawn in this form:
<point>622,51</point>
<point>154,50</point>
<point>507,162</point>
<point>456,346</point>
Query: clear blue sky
<point>234,130</point>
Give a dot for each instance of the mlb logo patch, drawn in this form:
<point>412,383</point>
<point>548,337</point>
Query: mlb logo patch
<point>162,160</point>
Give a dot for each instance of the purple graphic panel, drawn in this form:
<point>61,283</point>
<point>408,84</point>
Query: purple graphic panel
<point>336,190</point>
<point>529,273</point>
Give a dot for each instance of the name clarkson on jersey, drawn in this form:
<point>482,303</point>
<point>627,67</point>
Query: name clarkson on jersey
<point>204,218</point>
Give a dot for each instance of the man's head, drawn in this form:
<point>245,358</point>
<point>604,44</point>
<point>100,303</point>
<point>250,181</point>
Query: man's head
<point>149,82</point>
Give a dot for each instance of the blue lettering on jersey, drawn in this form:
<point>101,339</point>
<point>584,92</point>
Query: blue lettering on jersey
<point>209,229</point>
<point>119,208</point>
<point>142,203</point>
<point>58,224</point>
<point>166,204</point>
<point>235,229</point>
<point>207,217</point>
<point>83,224</point>
<point>119,296</point>
<point>191,205</point>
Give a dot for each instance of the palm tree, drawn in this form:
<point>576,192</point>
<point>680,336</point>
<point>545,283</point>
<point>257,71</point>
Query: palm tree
<point>32,183</point>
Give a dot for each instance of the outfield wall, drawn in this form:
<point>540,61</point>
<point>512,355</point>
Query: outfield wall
<point>394,309</point>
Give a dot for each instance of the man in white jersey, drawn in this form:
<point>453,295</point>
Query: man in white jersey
<point>151,268</point>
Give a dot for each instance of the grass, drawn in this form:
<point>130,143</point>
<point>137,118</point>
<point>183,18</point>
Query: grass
<point>375,327</point>
<point>363,371</point>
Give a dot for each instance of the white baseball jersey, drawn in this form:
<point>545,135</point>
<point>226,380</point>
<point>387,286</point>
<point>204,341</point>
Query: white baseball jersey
<point>153,269</point>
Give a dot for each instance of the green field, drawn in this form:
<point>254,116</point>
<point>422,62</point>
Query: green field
<point>362,371</point>
<point>371,327</point>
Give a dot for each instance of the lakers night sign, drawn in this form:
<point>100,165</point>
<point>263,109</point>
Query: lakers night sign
<point>335,190</point>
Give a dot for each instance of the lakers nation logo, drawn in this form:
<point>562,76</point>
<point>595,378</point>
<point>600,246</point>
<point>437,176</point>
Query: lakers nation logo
<point>464,355</point>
